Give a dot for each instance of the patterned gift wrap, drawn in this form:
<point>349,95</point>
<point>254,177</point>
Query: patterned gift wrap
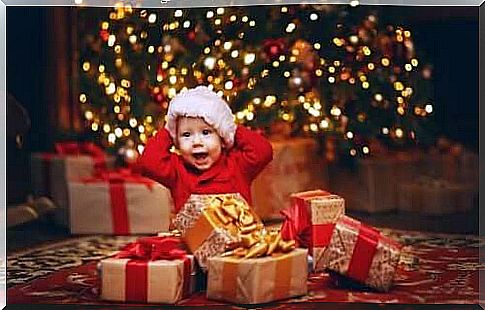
<point>362,253</point>
<point>257,280</point>
<point>137,277</point>
<point>206,226</point>
<point>311,220</point>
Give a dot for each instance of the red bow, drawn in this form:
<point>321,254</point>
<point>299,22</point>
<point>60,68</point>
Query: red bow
<point>297,225</point>
<point>154,248</point>
<point>76,148</point>
<point>83,148</point>
<point>118,176</point>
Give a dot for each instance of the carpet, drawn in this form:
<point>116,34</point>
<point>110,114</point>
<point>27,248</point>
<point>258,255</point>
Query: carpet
<point>435,269</point>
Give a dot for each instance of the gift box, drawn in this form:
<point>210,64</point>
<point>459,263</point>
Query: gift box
<point>310,221</point>
<point>362,253</point>
<point>209,223</point>
<point>372,185</point>
<point>296,167</point>
<point>118,202</point>
<point>436,196</point>
<point>151,270</point>
<point>257,280</point>
<point>458,167</point>
<point>50,172</point>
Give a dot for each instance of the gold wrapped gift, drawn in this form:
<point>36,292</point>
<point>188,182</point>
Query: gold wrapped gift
<point>258,280</point>
<point>210,224</point>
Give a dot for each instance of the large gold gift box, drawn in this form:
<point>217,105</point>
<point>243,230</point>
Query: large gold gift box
<point>209,223</point>
<point>258,280</point>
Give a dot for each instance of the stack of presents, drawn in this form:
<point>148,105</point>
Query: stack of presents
<point>427,183</point>
<point>220,239</point>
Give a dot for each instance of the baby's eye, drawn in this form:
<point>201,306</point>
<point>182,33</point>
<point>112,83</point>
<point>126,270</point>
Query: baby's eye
<point>186,134</point>
<point>206,132</point>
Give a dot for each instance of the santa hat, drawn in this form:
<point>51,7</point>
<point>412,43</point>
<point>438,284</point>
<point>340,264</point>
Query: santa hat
<point>204,103</point>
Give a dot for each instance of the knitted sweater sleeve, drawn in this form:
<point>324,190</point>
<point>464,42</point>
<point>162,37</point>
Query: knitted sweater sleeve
<point>157,162</point>
<point>252,152</point>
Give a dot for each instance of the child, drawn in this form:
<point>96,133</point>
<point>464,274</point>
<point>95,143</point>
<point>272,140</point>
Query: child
<point>216,156</point>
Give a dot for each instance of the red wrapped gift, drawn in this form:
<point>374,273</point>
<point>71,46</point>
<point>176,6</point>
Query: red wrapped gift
<point>120,203</point>
<point>310,221</point>
<point>151,270</point>
<point>362,253</point>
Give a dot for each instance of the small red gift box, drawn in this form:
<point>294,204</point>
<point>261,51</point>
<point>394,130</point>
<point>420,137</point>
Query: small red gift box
<point>362,253</point>
<point>310,221</point>
<point>151,270</point>
<point>118,202</point>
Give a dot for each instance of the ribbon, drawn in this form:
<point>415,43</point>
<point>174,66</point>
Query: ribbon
<point>225,212</point>
<point>364,249</point>
<point>149,249</point>
<point>83,148</point>
<point>117,190</point>
<point>236,287</point>
<point>122,175</point>
<point>298,225</point>
<point>154,248</point>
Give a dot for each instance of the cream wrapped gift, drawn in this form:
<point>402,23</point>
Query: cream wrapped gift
<point>209,223</point>
<point>459,166</point>
<point>362,253</point>
<point>50,172</point>
<point>310,221</point>
<point>119,203</point>
<point>296,167</point>
<point>436,196</point>
<point>151,270</point>
<point>257,280</point>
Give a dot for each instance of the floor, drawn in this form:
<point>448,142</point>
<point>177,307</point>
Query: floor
<point>43,230</point>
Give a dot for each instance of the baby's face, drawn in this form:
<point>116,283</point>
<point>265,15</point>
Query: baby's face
<point>199,143</point>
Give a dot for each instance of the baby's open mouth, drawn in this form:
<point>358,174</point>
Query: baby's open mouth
<point>200,156</point>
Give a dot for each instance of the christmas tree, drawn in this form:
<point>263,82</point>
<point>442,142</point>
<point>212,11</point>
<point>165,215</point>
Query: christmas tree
<point>329,71</point>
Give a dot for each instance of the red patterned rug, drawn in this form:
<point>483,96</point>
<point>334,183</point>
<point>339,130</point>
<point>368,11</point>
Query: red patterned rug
<point>435,269</point>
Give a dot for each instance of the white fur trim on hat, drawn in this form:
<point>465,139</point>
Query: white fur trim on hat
<point>204,103</point>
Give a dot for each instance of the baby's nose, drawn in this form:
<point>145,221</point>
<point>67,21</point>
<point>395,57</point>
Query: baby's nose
<point>197,140</point>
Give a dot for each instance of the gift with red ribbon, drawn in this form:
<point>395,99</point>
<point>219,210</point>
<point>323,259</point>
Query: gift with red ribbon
<point>310,221</point>
<point>74,148</point>
<point>50,172</point>
<point>150,270</point>
<point>118,202</point>
<point>362,253</point>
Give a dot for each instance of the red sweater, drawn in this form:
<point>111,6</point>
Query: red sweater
<point>232,173</point>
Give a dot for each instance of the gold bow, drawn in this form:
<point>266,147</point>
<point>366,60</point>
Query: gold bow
<point>253,240</point>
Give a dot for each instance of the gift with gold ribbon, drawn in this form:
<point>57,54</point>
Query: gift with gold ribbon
<point>50,172</point>
<point>120,202</point>
<point>255,280</point>
<point>362,253</point>
<point>209,224</point>
<point>310,221</point>
<point>151,270</point>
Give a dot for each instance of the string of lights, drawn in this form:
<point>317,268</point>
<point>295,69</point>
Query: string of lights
<point>320,69</point>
